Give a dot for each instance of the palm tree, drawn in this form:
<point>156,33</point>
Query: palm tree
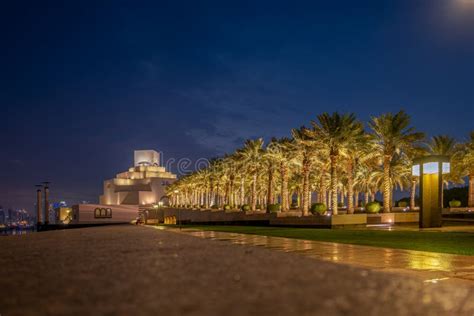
<point>282,152</point>
<point>270,163</point>
<point>442,145</point>
<point>305,153</point>
<point>392,135</point>
<point>335,135</point>
<point>358,151</point>
<point>463,165</point>
<point>251,155</point>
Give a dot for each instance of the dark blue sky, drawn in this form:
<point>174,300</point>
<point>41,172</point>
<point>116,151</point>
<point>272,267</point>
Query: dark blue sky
<point>84,84</point>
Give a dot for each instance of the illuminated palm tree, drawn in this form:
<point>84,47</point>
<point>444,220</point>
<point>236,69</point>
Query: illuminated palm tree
<point>442,145</point>
<point>305,147</point>
<point>282,151</point>
<point>463,165</point>
<point>392,135</point>
<point>251,155</point>
<point>335,134</point>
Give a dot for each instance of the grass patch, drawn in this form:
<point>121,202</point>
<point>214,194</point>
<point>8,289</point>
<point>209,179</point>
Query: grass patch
<point>441,242</point>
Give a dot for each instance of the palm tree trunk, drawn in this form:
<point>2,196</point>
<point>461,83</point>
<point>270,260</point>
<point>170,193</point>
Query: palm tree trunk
<point>254,192</point>
<point>334,184</point>
<point>226,192</point>
<point>284,187</point>
<point>356,199</point>
<point>366,197</point>
<point>412,193</point>
<point>242,191</point>
<point>306,169</point>
<point>231,191</point>
<point>322,196</point>
<point>386,184</point>
<point>470,200</point>
<point>270,193</point>
<point>350,188</point>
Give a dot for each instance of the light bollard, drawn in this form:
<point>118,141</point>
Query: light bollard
<point>430,170</point>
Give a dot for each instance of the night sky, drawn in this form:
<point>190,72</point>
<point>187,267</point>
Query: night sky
<point>84,84</point>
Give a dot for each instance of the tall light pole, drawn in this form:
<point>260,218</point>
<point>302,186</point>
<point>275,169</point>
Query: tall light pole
<point>46,202</point>
<point>38,204</point>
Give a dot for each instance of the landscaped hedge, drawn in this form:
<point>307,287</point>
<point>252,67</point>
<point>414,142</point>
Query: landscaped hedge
<point>373,207</point>
<point>454,203</point>
<point>273,208</point>
<point>214,207</point>
<point>402,204</point>
<point>319,208</point>
<point>226,207</point>
<point>245,208</point>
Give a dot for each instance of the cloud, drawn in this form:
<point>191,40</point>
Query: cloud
<point>254,100</point>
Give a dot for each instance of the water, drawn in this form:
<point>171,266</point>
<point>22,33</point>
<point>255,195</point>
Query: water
<point>16,231</point>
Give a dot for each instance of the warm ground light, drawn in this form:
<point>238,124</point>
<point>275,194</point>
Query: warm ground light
<point>442,242</point>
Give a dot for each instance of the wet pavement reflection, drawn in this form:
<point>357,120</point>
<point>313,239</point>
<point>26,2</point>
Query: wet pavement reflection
<point>430,266</point>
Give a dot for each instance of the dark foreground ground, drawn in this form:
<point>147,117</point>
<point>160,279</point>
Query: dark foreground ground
<point>130,270</point>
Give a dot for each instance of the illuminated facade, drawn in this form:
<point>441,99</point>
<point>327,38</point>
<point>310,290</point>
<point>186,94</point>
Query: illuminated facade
<point>143,184</point>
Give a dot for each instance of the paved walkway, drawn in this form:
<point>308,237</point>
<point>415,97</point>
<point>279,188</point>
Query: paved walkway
<point>429,266</point>
<point>128,270</point>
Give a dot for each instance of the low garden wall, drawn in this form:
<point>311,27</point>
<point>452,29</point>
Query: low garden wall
<point>291,218</point>
<point>393,218</point>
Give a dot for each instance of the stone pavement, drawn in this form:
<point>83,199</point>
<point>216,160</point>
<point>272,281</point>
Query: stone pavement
<point>429,266</point>
<point>124,270</point>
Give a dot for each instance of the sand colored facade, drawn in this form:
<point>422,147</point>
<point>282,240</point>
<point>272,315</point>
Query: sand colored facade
<point>106,214</point>
<point>144,184</point>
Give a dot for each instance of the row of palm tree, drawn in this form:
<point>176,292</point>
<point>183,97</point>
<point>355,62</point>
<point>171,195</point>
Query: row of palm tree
<point>336,157</point>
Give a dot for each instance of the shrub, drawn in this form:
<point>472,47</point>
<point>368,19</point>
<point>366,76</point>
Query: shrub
<point>458,194</point>
<point>402,204</point>
<point>258,207</point>
<point>203,206</point>
<point>273,208</point>
<point>214,207</point>
<point>294,205</point>
<point>245,208</point>
<point>340,204</point>
<point>373,207</point>
<point>319,208</point>
<point>226,207</point>
<point>454,203</point>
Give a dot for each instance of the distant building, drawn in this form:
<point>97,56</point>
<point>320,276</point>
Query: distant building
<point>2,216</point>
<point>143,184</point>
<point>63,215</point>
<point>101,214</point>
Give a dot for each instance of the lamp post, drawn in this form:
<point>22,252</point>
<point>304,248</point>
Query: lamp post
<point>38,205</point>
<point>46,202</point>
<point>430,169</point>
